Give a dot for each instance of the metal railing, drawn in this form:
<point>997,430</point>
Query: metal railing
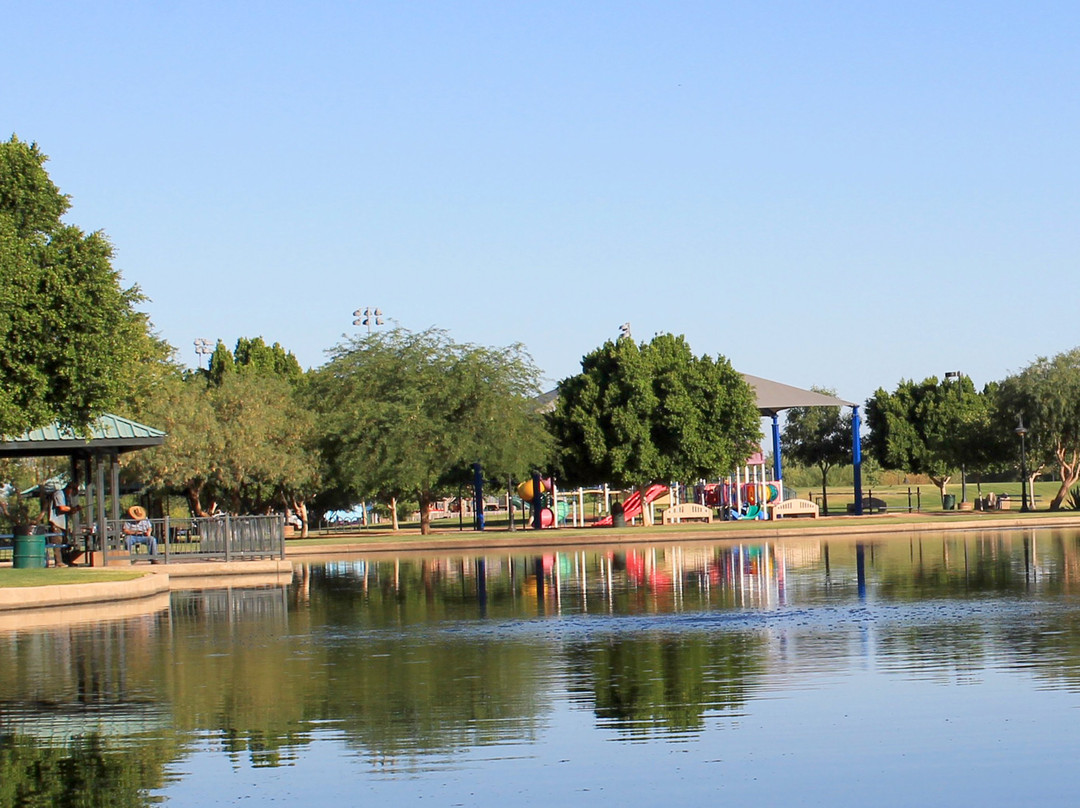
<point>218,538</point>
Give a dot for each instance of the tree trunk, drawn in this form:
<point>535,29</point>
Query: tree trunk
<point>824,492</point>
<point>646,511</point>
<point>1069,475</point>
<point>425,514</point>
<point>393,513</point>
<point>943,486</point>
<point>193,492</point>
<point>300,509</point>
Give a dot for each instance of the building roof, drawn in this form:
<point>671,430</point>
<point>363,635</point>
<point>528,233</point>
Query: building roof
<point>108,432</point>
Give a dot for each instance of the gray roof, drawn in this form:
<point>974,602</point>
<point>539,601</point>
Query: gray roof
<point>109,432</point>
<point>772,397</point>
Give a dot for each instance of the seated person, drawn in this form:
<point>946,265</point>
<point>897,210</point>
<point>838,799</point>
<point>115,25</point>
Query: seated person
<point>139,530</point>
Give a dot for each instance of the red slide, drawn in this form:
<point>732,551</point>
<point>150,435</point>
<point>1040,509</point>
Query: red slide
<point>632,506</point>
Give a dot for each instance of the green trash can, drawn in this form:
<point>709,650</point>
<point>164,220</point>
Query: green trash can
<point>29,548</point>
<point>949,501</point>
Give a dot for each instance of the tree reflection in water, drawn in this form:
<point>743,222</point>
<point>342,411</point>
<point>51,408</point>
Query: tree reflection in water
<point>406,660</point>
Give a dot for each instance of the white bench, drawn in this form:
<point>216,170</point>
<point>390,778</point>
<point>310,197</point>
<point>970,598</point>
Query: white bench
<point>793,507</point>
<point>687,512</point>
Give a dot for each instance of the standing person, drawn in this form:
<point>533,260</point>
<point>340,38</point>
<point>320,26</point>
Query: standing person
<point>64,504</point>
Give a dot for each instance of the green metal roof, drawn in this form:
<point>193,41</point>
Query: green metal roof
<point>108,432</point>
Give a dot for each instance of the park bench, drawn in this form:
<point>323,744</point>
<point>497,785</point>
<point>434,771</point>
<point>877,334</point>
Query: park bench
<point>794,507</point>
<point>687,512</point>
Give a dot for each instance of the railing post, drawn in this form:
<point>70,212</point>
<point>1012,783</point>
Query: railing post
<point>228,538</point>
<point>166,538</point>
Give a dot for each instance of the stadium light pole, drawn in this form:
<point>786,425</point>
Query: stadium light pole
<point>202,348</point>
<point>368,316</point>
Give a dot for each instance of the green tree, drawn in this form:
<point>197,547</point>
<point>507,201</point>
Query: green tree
<point>404,414</point>
<point>929,427</point>
<point>654,412</point>
<point>1047,394</point>
<point>818,436</point>
<point>71,341</point>
<point>254,356</point>
<point>245,443</point>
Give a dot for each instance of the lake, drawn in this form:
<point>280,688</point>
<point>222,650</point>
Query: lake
<point>921,669</point>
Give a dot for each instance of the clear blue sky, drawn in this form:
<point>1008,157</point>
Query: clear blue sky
<point>839,194</point>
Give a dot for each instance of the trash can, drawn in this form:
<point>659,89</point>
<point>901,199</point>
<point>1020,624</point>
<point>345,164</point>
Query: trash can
<point>29,547</point>
<point>949,502</point>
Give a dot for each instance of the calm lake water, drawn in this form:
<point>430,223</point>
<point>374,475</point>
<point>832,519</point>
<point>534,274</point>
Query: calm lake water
<point>910,670</point>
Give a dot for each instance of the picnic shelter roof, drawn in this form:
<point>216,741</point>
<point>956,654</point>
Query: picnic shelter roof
<point>773,397</point>
<point>109,433</point>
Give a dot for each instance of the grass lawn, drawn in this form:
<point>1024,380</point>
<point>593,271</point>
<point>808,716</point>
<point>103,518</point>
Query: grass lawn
<point>62,575</point>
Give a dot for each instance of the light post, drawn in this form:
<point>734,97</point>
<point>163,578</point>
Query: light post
<point>1021,430</point>
<point>202,348</point>
<point>368,316</point>
<point>956,374</point>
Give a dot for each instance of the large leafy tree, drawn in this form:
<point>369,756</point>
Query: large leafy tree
<point>930,427</point>
<point>1047,395</point>
<point>819,437</point>
<point>243,440</point>
<point>654,412</point>
<point>71,341</point>
<point>404,414</point>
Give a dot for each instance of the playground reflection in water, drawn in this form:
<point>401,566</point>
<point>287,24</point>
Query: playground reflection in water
<point>918,667</point>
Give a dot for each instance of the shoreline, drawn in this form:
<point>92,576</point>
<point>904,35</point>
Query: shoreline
<point>56,604</point>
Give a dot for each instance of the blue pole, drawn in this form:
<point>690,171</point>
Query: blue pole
<point>777,470</point>
<point>478,494</point>
<point>856,456</point>
<point>537,523</point>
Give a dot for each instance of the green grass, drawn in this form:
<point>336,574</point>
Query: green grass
<point>61,576</point>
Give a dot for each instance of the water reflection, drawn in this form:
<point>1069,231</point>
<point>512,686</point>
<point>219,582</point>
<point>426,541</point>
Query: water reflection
<point>417,664</point>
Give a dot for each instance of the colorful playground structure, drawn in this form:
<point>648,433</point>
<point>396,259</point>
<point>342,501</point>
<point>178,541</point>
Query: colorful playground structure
<point>749,492</point>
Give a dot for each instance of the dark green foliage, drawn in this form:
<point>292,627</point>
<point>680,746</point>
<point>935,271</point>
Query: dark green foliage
<point>254,356</point>
<point>1047,395</point>
<point>1074,498</point>
<point>931,428</point>
<point>638,414</point>
<point>71,341</point>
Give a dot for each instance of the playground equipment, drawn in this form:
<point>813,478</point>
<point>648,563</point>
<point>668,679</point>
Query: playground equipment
<point>540,499</point>
<point>632,506</point>
<point>746,494</point>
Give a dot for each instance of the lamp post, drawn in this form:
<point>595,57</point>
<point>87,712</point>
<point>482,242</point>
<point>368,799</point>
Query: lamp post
<point>368,316</point>
<point>202,348</point>
<point>957,375</point>
<point>1021,430</point>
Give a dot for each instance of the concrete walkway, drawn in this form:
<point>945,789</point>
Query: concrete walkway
<point>158,580</point>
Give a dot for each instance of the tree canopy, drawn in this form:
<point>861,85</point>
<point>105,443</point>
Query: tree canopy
<point>243,440</point>
<point>404,414</point>
<point>71,341</point>
<point>654,412</point>
<point>1047,395</point>
<point>930,427</point>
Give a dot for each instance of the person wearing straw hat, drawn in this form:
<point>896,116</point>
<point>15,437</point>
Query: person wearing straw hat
<point>139,530</point>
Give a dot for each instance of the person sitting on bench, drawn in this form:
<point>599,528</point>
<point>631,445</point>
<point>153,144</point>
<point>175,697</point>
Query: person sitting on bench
<point>139,530</point>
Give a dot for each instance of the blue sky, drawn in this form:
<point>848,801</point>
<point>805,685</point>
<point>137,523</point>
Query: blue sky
<point>834,194</point>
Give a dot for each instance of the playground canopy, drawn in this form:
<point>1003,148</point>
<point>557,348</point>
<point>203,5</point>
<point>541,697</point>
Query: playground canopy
<point>774,397</point>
